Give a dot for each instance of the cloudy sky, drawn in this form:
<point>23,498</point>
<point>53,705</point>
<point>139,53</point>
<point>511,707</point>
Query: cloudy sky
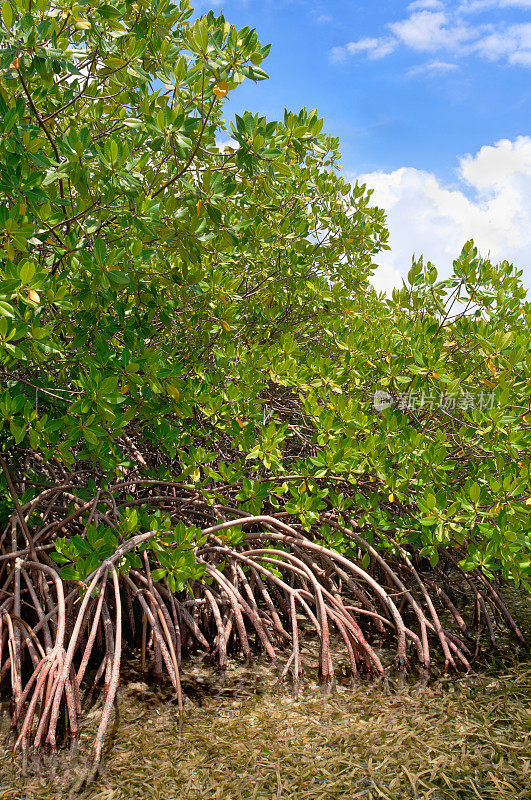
<point>431,100</point>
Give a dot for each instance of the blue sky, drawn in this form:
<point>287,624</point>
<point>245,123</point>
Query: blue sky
<point>432,103</point>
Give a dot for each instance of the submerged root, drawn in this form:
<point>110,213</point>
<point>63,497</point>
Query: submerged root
<point>275,586</point>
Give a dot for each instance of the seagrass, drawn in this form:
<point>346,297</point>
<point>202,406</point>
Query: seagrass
<point>242,737</point>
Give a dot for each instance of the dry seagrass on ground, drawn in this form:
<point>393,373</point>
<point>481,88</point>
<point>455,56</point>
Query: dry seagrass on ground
<point>242,737</point>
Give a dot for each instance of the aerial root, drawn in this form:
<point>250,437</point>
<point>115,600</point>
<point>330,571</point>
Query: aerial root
<point>276,591</point>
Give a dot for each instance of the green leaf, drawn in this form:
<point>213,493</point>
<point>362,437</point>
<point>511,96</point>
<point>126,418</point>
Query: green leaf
<point>474,492</point>
<point>70,573</point>
<point>100,250</point>
<point>6,309</point>
<point>7,14</point>
<point>91,563</point>
<point>27,271</point>
<point>59,558</point>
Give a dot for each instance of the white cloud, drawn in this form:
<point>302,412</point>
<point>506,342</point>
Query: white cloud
<point>514,43</point>
<point>491,203</point>
<point>432,68</point>
<point>433,28</point>
<point>472,6</point>
<point>430,31</point>
<point>229,143</point>
<point>523,58</point>
<point>419,5</point>
<point>373,48</point>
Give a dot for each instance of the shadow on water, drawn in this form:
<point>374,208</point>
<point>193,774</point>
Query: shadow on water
<point>244,735</point>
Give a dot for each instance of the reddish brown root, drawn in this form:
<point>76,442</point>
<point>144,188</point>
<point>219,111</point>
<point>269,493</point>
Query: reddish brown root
<point>278,587</point>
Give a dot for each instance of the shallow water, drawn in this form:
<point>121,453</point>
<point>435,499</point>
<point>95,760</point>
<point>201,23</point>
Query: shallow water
<point>245,736</point>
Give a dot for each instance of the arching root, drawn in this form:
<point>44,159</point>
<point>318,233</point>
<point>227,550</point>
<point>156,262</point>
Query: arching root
<point>274,587</point>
